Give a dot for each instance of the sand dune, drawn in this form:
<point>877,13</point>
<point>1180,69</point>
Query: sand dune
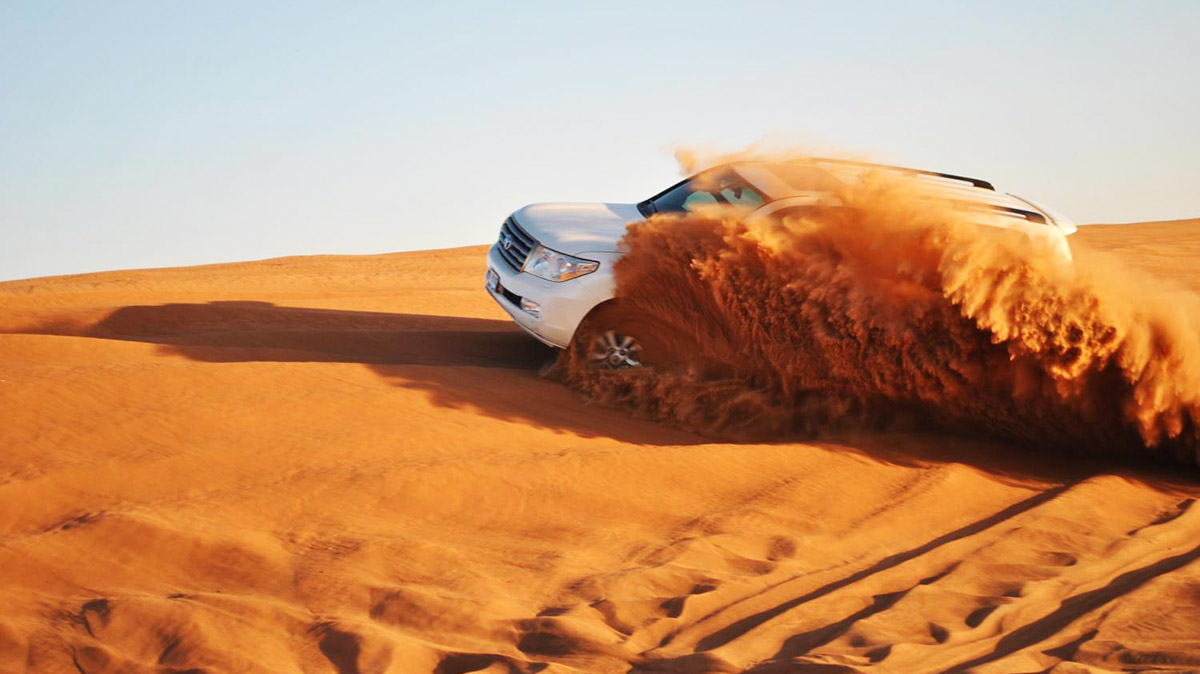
<point>350,465</point>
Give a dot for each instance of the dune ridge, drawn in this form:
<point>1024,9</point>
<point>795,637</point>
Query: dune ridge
<point>350,464</point>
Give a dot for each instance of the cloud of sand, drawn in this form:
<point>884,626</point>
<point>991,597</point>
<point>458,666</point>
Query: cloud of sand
<point>894,310</point>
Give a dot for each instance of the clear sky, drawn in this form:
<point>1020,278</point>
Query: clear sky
<point>139,134</point>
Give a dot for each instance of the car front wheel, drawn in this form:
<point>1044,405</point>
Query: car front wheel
<point>615,337</point>
<point>611,350</point>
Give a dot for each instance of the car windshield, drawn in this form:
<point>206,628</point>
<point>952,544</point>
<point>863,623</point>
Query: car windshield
<point>718,186</point>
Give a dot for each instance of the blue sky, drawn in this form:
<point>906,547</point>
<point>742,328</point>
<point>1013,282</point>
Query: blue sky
<point>139,134</point>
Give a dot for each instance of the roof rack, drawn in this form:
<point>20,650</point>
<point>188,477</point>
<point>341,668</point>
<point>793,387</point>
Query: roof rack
<point>1018,212</point>
<point>975,182</point>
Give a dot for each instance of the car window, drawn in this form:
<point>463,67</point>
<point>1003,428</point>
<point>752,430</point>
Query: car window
<point>683,197</point>
<point>697,199</point>
<point>743,196</point>
<point>720,187</point>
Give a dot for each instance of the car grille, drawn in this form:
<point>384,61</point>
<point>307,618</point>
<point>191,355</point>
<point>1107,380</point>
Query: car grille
<point>514,244</point>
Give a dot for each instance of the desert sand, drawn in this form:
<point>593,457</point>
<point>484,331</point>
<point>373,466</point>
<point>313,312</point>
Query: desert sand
<point>351,465</point>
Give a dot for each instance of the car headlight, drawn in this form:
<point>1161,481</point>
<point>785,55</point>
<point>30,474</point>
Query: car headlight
<point>558,267</point>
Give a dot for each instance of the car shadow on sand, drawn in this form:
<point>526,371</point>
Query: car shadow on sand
<point>492,367</point>
<point>488,365</point>
<point>248,331</point>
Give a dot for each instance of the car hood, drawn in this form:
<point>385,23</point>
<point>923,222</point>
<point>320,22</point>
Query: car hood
<point>577,228</point>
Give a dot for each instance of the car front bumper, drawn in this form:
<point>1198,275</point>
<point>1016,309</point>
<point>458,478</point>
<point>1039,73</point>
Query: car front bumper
<point>561,305</point>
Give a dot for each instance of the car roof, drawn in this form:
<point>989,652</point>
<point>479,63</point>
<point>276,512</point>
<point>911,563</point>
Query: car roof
<point>785,179</point>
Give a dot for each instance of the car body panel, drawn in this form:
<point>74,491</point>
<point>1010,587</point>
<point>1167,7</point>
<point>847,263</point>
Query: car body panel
<point>577,228</point>
<point>563,305</point>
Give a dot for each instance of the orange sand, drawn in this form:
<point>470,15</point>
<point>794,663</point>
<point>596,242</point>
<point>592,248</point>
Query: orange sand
<point>350,465</point>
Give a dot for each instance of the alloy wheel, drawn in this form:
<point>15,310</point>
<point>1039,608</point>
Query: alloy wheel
<point>613,351</point>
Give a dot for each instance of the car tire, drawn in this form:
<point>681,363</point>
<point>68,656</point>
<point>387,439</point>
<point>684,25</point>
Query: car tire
<point>616,337</point>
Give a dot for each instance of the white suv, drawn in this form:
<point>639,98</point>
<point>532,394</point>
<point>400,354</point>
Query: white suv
<point>552,265</point>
